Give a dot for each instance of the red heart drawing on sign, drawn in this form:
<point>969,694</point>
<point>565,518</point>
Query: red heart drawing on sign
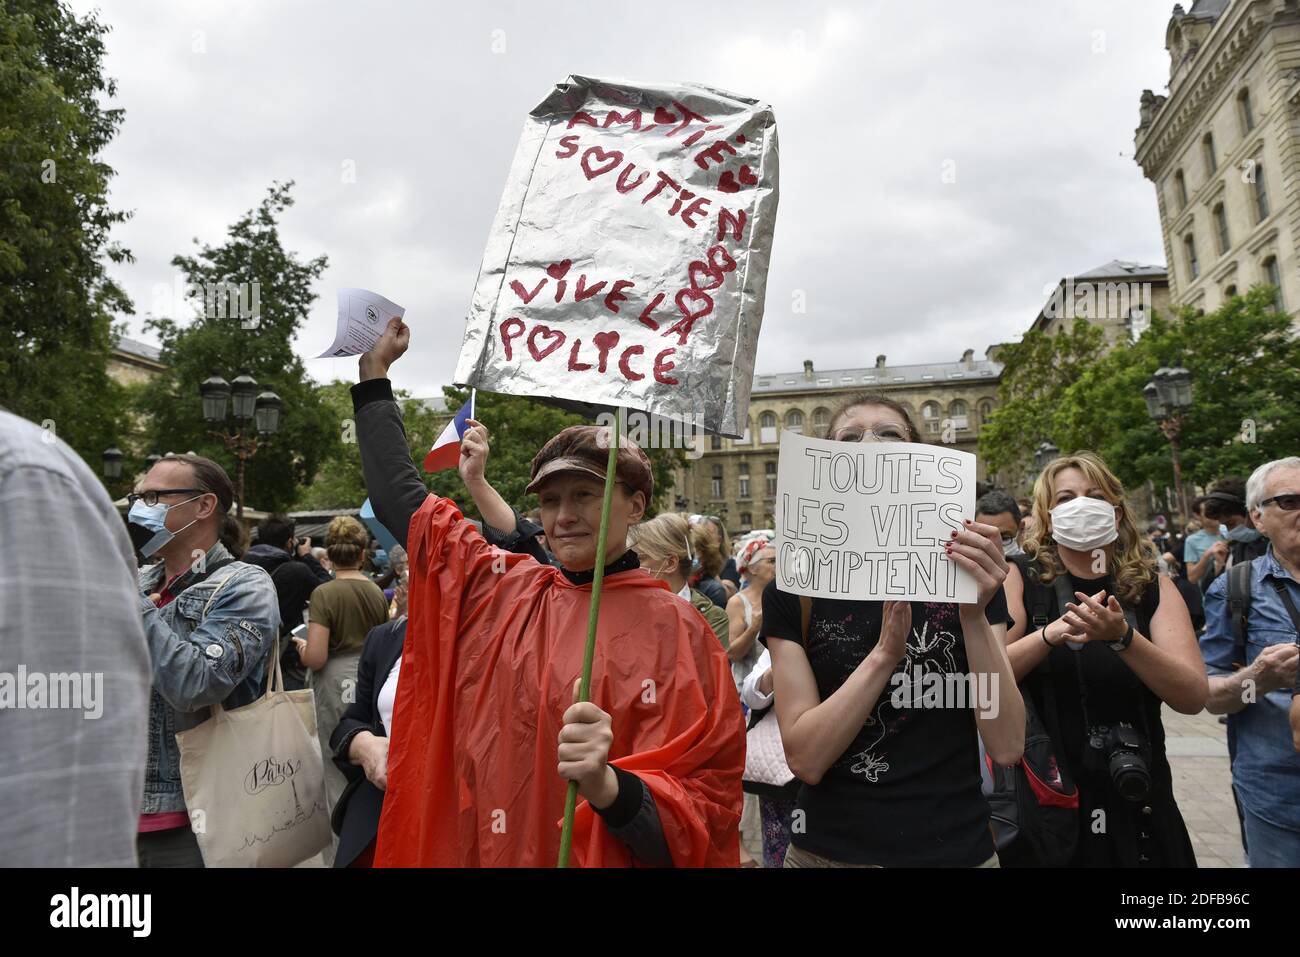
<point>557,270</point>
<point>715,276</point>
<point>604,341</point>
<point>614,156</point>
<point>555,336</point>
<point>747,176</point>
<point>727,182</point>
<point>663,116</point>
<point>703,310</point>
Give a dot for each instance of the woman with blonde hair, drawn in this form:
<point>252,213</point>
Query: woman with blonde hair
<point>663,543</point>
<point>1100,639</point>
<point>340,615</point>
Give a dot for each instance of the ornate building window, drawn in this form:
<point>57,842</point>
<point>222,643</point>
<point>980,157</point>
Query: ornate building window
<point>1261,193</point>
<point>1207,150</point>
<point>986,411</point>
<point>1180,189</point>
<point>744,479</point>
<point>746,522</point>
<point>1244,112</point>
<point>715,483</point>
<point>821,419</point>
<point>930,413</point>
<point>1189,247</point>
<point>1221,221</point>
<point>1273,276</point>
<point>769,475</point>
<point>767,427</point>
<point>715,442</point>
<point>794,421</point>
<point>958,413</point>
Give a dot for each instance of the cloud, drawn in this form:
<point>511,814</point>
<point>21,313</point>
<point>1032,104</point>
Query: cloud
<point>1030,104</point>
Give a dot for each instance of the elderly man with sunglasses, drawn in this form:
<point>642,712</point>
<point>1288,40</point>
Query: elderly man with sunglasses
<point>1252,617</point>
<point>210,622</point>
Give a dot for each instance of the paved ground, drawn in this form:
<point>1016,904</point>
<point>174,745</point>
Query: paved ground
<point>1198,755</point>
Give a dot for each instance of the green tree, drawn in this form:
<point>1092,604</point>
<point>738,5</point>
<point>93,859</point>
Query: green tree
<point>215,343</point>
<point>56,300</point>
<point>1245,365</point>
<point>1036,373</point>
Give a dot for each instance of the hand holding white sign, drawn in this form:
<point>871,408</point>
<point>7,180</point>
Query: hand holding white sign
<point>977,549</point>
<point>882,521</point>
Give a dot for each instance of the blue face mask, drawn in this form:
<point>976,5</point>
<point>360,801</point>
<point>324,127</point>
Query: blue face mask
<point>154,519</point>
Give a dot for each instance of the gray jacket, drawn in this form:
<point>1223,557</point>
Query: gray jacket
<point>71,760</point>
<point>202,659</point>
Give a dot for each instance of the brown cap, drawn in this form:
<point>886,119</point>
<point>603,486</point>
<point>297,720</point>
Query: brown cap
<point>585,448</point>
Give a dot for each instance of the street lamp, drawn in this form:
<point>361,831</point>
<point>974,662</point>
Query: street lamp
<point>267,413</point>
<point>216,392</point>
<point>113,463</point>
<point>150,460</point>
<point>1045,453</point>
<point>243,392</point>
<point>1168,395</point>
<point>249,407</point>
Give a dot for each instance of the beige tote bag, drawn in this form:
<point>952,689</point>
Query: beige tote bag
<point>254,780</point>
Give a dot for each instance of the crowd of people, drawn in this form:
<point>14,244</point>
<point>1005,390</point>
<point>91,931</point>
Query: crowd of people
<point>728,722</point>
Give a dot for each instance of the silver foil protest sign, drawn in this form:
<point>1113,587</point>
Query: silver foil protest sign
<point>628,261</point>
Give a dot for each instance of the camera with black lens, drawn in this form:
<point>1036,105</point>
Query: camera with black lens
<point>1121,750</point>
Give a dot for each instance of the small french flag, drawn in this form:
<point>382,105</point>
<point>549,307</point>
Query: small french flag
<point>445,453</point>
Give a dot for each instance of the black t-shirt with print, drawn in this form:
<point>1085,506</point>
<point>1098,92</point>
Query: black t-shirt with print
<point>906,792</point>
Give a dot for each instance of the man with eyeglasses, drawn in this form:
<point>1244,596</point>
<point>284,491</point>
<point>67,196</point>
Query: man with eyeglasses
<point>1250,648</point>
<point>210,622</point>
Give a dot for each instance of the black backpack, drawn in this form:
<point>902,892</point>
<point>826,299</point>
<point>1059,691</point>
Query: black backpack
<point>1034,806</point>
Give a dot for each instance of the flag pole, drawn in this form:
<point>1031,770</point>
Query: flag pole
<point>593,615</point>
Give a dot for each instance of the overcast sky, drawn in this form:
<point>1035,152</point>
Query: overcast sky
<point>1034,102</point>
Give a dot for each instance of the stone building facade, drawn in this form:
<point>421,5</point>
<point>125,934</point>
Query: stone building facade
<point>736,479</point>
<point>1223,150</point>
<point>132,362</point>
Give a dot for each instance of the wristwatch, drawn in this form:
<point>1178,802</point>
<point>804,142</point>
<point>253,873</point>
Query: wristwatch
<point>1123,642</point>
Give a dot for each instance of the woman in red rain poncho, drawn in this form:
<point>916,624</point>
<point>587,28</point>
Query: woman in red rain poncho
<point>486,733</point>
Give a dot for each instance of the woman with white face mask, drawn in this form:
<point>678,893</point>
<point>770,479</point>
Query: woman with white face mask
<point>1100,640</point>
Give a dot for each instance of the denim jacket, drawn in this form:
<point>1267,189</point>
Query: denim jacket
<point>199,661</point>
<point>1266,769</point>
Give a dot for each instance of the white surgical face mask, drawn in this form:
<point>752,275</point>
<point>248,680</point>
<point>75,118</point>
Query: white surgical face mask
<point>154,518</point>
<point>1084,523</point>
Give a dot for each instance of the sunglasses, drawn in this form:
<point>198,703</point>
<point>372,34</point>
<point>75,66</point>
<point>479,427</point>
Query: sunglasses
<point>1288,502</point>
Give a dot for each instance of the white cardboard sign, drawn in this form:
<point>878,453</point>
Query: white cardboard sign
<point>868,520</point>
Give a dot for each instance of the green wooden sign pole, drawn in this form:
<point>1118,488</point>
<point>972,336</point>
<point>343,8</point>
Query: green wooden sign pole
<point>593,615</point>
